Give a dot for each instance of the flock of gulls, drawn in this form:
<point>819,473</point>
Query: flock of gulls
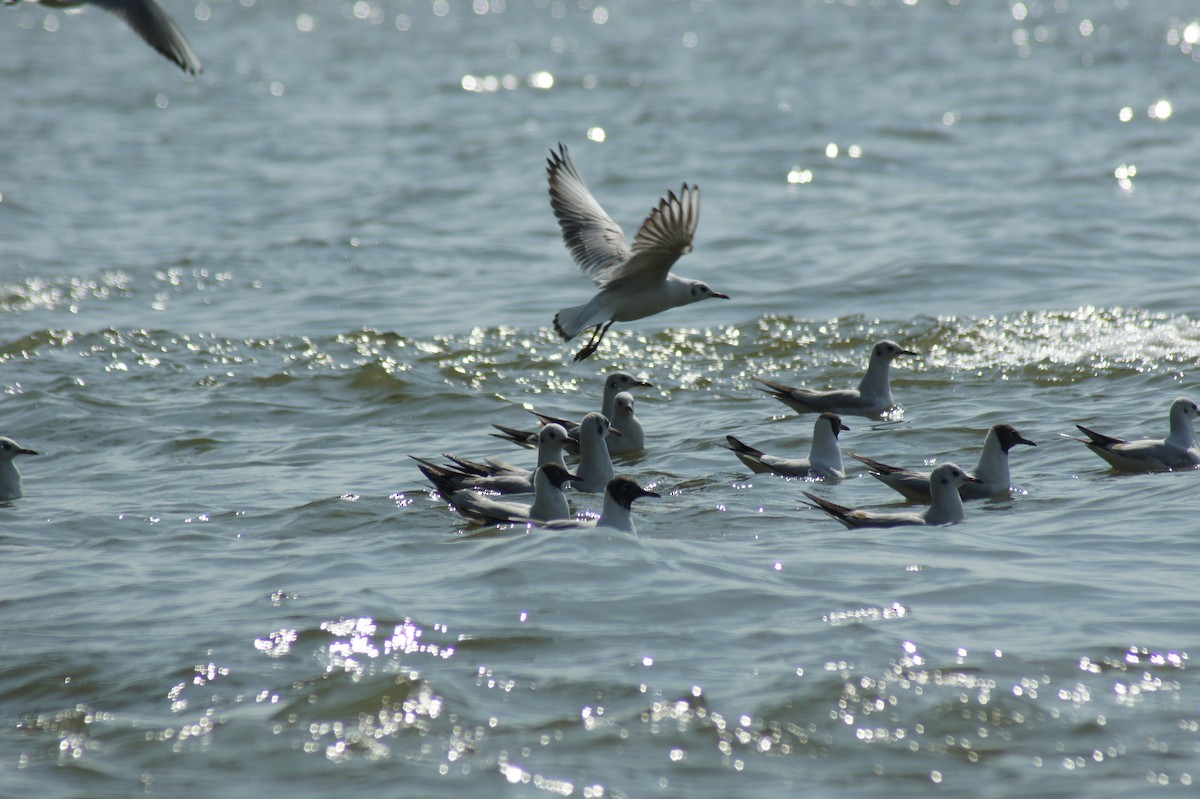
<point>635,281</point>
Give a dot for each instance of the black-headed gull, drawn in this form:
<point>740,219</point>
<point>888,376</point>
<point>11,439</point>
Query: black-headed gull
<point>148,20</point>
<point>872,398</point>
<point>1179,450</point>
<point>947,507</point>
<point>549,502</point>
<point>634,281</point>
<point>992,470</point>
<point>616,512</point>
<point>10,477</point>
<point>824,458</point>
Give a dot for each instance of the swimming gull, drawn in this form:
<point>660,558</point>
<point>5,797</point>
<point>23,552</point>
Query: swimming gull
<point>1179,450</point>
<point>872,398</point>
<point>497,475</point>
<point>991,471</point>
<point>947,507</point>
<point>616,512</point>
<point>549,502</point>
<point>824,458</point>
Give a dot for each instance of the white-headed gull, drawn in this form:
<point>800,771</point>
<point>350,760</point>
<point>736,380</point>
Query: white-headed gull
<point>1179,450</point>
<point>595,467</point>
<point>148,20</point>
<point>10,477</point>
<point>947,507</point>
<point>614,383</point>
<point>872,398</point>
<point>824,458</point>
<point>991,471</point>
<point>634,281</point>
<point>496,475</point>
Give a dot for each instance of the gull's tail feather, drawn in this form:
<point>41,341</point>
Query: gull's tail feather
<point>570,322</point>
<point>522,438</point>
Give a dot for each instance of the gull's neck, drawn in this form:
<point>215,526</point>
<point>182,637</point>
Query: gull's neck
<point>993,462</point>
<point>595,466</point>
<point>875,382</point>
<point>947,507</point>
<point>825,452</point>
<point>550,452</point>
<point>549,502</point>
<point>615,515</point>
<point>1183,435</point>
<point>10,481</point>
<point>630,428</point>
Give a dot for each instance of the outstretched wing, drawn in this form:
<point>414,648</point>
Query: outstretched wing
<point>160,31</point>
<point>596,242</point>
<point>664,236</point>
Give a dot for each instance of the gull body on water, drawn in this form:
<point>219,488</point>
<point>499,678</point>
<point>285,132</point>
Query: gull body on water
<point>634,281</point>
<point>614,384</point>
<point>595,468</point>
<point>947,507</point>
<point>148,20</point>
<point>872,398</point>
<point>1179,450</point>
<point>11,486</point>
<point>497,475</point>
<point>992,471</point>
<point>617,511</point>
<point>824,458</point>
<point>549,501</point>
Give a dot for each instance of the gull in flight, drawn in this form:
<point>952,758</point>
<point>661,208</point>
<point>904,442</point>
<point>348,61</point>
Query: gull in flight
<point>991,471</point>
<point>148,20</point>
<point>635,281</point>
<point>824,459</point>
<point>947,507</point>
<point>872,398</point>
<point>1179,450</point>
<point>10,478</point>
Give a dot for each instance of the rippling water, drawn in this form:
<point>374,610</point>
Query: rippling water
<point>230,307</point>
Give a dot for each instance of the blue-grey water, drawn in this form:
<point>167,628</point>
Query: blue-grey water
<point>231,307</point>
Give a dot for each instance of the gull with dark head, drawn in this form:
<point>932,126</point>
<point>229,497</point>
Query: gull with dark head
<point>947,507</point>
<point>635,281</point>
<point>148,20</point>
<point>1179,450</point>
<point>617,511</point>
<point>824,458</point>
<point>872,398</point>
<point>992,470</point>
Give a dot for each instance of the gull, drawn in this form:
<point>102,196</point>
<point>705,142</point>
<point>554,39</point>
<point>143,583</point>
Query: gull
<point>635,281</point>
<point>872,397</point>
<point>824,458</point>
<point>616,512</point>
<point>1179,450</point>
<point>10,478</point>
<point>614,384</point>
<point>148,20</point>
<point>549,502</point>
<point>631,436</point>
<point>496,475</point>
<point>991,471</point>
<point>595,467</point>
<point>947,507</point>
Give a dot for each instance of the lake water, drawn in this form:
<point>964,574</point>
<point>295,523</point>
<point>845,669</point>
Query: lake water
<point>231,307</point>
